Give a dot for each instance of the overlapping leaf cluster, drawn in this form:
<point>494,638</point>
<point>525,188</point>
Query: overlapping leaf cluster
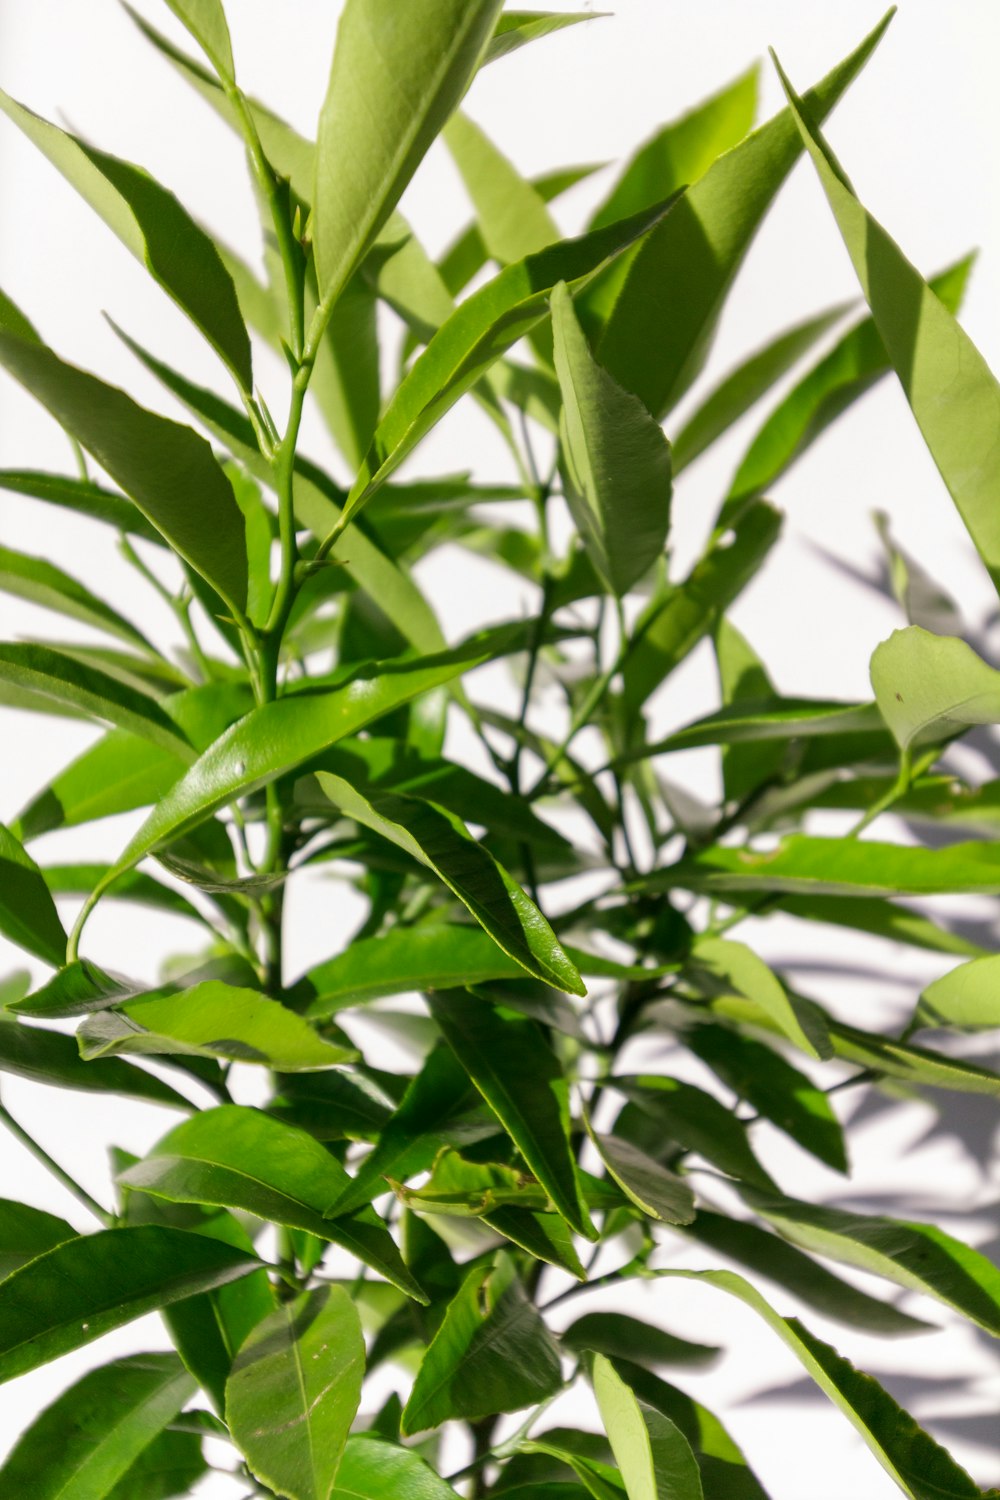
<point>432,1218</point>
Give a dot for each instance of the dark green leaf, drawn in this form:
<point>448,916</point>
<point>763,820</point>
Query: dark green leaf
<point>695,1121</point>
<point>27,1232</point>
<point>373,1470</point>
<point>83,496</point>
<point>28,915</point>
<point>647,1184</point>
<point>620,1337</point>
<point>42,583</point>
<point>171,1465</point>
<point>49,1057</point>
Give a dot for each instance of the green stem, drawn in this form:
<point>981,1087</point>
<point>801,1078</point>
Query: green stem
<point>68,1182</point>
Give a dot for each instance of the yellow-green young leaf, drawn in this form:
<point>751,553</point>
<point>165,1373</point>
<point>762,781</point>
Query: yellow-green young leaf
<point>736,965</point>
<point>516,28</point>
<point>397,75</point>
<point>967,999</point>
<point>206,21</point>
<point>212,1020</point>
<point>492,1353</point>
<point>441,842</point>
<point>513,219</point>
<point>89,1285</point>
<point>294,1392</point>
<point>91,1435</point>
<point>375,1470</point>
<point>928,687</point>
<point>166,469</point>
<point>28,915</point>
<point>921,1468</point>
<point>658,330</point>
<point>920,1257</point>
<point>954,395</point>
<point>518,1075</point>
<point>156,228</point>
<point>653,1455</point>
<point>616,459</point>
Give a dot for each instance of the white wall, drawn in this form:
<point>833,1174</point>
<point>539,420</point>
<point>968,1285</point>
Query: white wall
<point>919,135</point>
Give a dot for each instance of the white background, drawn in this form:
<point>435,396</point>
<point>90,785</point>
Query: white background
<point>918,135</point>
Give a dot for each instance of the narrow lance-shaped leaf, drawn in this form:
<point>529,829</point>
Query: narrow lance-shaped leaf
<point>928,687</point>
<point>42,583</point>
<point>206,21</point>
<point>921,1468</point>
<point>953,394</point>
<point>294,1392</point>
<point>28,913</point>
<point>736,965</point>
<point>91,1435</point>
<point>647,1184</point>
<point>616,459</point>
<point>156,228</point>
<point>89,1285</point>
<point>166,469</point>
<point>396,77</point>
<point>82,496</point>
<point>441,842</point>
<point>653,1455</point>
<point>49,1057</point>
<point>513,219</point>
<point>518,1075</point>
<point>516,28</point>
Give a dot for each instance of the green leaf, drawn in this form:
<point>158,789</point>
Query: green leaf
<point>653,1455</point>
<point>952,392</point>
<point>166,469</point>
<point>929,687</point>
<point>647,1184</point>
<point>88,1439</point>
<point>884,918</point>
<point>735,966</point>
<point>441,842</point>
<point>87,1286</point>
<point>171,1465</point>
<point>512,216</point>
<point>734,396</point>
<point>840,378</point>
<point>27,1232</point>
<point>54,674</point>
<point>695,1122</point>
<point>157,229</point>
<point>518,1075</point>
<point>800,1275</point>
<point>491,1354</point>
<point>51,1058</point>
<point>480,330</point>
<point>921,1468</point>
<point>674,622</point>
<point>655,345</point>
<point>966,999</point>
<point>620,1337</point>
<point>211,1020</point>
<point>28,915</point>
<point>40,582</point>
<point>516,28</point>
<point>920,1257</point>
<point>239,1158</point>
<point>82,496</point>
<point>374,1470</point>
<point>395,79</point>
<point>294,1392</point>
<point>911,1064</point>
<point>206,21</point>
<point>617,461</point>
<point>745,723</point>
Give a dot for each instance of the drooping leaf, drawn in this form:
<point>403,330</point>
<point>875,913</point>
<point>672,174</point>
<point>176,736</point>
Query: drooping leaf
<point>617,460</point>
<point>91,1435</point>
<point>928,687</point>
<point>294,1392</point>
<point>51,1058</point>
<point>695,1121</point>
<point>89,1285</point>
<point>236,1157</point>
<point>622,1337</point>
<point>952,392</point>
<point>491,1354</point>
<point>520,1078</point>
<point>83,496</point>
<point>374,1470</point>
<point>653,1455</point>
<point>28,915</point>
<point>924,601</point>
<point>395,79</point>
<point>647,1184</point>
<point>27,1232</point>
<point>441,842</point>
<point>156,228</point>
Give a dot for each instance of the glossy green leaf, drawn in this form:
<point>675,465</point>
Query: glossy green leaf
<point>166,469</point>
<point>839,379</point>
<point>781,719</point>
<point>83,496</point>
<point>920,1257</point>
<point>911,1064</point>
<point>617,460</point>
<point>734,965</point>
<point>516,28</point>
<point>401,960</point>
<point>647,1184</point>
<point>491,1354</point>
<point>156,228</point>
<point>952,392</point>
<point>441,842</point>
<point>480,330</point>
<point>921,1468</point>
<point>170,1466</point>
<point>883,918</point>
<point>42,583</point>
<point>211,1020</point>
<point>653,1455</point>
<point>518,1075</point>
<point>87,1286</point>
<point>395,80</point>
<point>88,1439</point>
<point>673,624</point>
<point>654,344</point>
<point>513,219</point>
<point>374,1470</point>
<point>928,687</point>
<point>695,1121</point>
<point>236,1157</point>
<point>800,1275</point>
<point>28,915</point>
<point>50,1057</point>
<point>294,1392</point>
<point>622,1337</point>
<point>27,1232</point>
<point>206,21</point>
<point>966,999</point>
